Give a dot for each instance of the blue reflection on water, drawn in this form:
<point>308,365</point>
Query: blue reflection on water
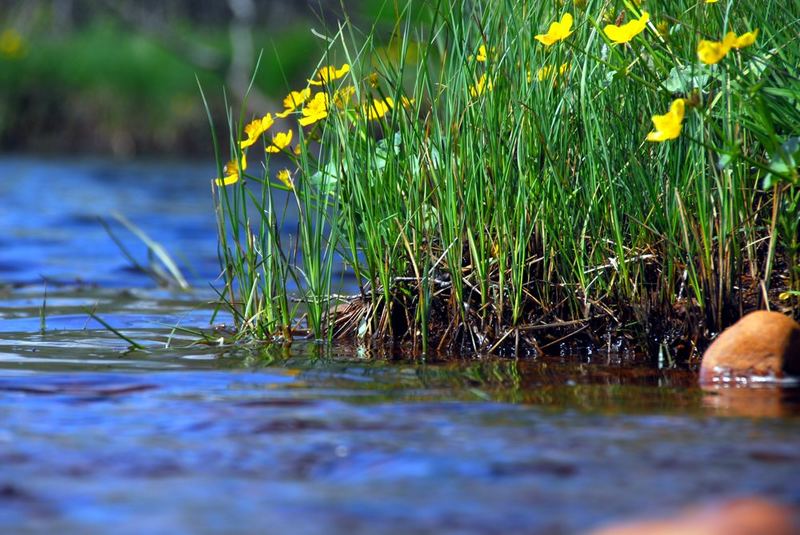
<point>50,219</point>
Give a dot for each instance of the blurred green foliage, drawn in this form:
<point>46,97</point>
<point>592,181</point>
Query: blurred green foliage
<point>107,86</point>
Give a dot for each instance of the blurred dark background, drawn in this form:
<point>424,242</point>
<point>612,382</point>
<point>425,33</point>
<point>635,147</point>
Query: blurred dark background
<point>119,77</point>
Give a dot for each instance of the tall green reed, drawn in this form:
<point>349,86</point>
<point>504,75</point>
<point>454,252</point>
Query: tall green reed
<point>479,200</point>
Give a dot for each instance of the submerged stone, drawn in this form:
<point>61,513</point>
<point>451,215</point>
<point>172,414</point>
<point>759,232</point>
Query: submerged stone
<point>768,401</point>
<point>761,344</point>
<point>744,516</point>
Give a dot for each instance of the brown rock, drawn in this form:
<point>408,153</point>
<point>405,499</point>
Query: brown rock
<point>746,516</point>
<point>761,343</point>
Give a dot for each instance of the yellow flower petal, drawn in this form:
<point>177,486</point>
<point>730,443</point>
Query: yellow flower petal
<point>311,118</point>
<point>286,178</point>
<point>378,109</point>
<point>373,79</point>
<point>482,55</point>
<point>255,129</point>
<point>343,96</point>
<point>746,39</point>
<point>626,32</point>
<point>557,31</point>
<point>549,71</point>
<point>231,172</point>
<point>280,141</point>
<point>228,180</point>
<point>481,85</point>
<point>294,100</point>
<point>328,74</point>
<point>668,126</point>
<point>252,131</point>
<point>315,110</point>
<point>544,72</point>
<point>711,52</point>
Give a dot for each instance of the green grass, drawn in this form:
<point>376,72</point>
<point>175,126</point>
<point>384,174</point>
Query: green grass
<point>509,220</point>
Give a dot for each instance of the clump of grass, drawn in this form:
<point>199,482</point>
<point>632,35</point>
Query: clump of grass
<point>497,183</point>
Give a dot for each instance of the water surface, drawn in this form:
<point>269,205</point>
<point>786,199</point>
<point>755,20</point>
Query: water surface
<point>208,438</point>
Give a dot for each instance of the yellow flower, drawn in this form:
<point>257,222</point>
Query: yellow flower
<point>378,109</point>
<point>746,39</point>
<point>711,52</point>
<point>10,43</point>
<point>626,32</point>
<point>280,141</point>
<point>557,31</point>
<point>711,1</point>
<point>668,126</point>
<point>480,86</point>
<point>231,172</point>
<point>482,54</point>
<point>328,74</point>
<point>544,72</point>
<point>344,95</point>
<point>315,110</point>
<point>286,178</point>
<point>407,102</point>
<point>294,100</point>
<point>255,129</point>
<point>373,79</point>
<point>549,70</point>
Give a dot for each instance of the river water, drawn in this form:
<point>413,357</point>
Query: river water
<point>193,438</point>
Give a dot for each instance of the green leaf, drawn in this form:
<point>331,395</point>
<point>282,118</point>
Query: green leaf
<point>725,160</point>
<point>684,79</point>
<point>783,162</point>
<point>326,178</point>
<point>758,64</point>
<point>383,150</point>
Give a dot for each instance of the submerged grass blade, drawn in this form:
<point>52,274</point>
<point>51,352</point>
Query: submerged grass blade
<point>156,248</point>
<point>116,332</point>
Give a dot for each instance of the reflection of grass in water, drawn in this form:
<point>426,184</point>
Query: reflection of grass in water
<point>502,199</point>
<point>632,388</point>
<point>43,311</point>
